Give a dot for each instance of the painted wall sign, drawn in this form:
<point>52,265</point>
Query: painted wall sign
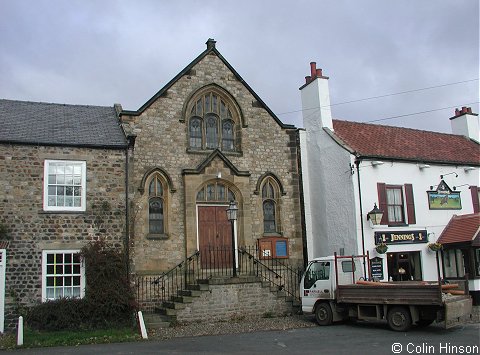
<point>444,198</point>
<point>401,237</point>
<point>376,268</point>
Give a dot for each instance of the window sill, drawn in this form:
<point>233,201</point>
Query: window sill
<point>272,234</point>
<point>208,151</point>
<point>61,212</point>
<point>157,236</point>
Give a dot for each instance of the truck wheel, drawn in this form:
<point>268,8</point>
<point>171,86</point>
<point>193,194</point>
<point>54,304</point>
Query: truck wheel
<point>323,314</point>
<point>399,319</point>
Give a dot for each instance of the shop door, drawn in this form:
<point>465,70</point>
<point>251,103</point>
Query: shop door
<point>214,237</point>
<point>404,266</point>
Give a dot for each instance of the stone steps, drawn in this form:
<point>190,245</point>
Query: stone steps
<point>167,313</point>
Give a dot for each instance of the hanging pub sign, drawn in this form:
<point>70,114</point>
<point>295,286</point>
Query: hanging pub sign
<point>444,198</point>
<point>376,268</point>
<point>402,237</point>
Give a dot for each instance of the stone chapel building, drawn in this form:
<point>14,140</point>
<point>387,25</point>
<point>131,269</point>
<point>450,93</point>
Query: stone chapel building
<point>204,139</point>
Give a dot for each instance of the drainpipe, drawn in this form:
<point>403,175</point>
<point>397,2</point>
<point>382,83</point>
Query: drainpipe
<point>302,201</point>
<point>130,145</point>
<point>357,164</point>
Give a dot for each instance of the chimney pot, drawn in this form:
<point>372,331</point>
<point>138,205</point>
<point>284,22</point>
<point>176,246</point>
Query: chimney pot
<point>469,110</point>
<point>319,73</point>
<point>313,70</point>
<point>308,79</point>
<point>457,112</point>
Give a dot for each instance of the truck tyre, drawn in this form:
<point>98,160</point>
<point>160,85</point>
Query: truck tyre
<point>399,319</point>
<point>323,314</point>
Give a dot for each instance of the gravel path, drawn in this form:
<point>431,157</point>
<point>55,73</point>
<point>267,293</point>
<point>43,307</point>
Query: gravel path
<point>243,325</point>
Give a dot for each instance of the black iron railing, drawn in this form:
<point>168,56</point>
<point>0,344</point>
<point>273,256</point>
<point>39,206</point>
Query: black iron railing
<point>215,262</point>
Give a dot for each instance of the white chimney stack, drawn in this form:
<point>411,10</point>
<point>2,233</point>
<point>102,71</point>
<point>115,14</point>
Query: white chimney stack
<point>466,123</point>
<point>316,110</point>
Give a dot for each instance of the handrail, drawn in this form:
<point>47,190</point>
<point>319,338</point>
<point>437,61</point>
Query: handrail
<point>153,291</point>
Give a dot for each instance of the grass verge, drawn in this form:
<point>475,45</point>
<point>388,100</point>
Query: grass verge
<point>36,339</point>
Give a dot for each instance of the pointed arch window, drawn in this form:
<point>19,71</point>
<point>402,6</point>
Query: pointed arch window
<point>156,204</point>
<point>269,202</point>
<point>211,130</point>
<point>195,132</point>
<point>212,124</point>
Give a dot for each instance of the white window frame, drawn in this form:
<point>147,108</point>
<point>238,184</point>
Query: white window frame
<point>44,271</point>
<point>82,206</point>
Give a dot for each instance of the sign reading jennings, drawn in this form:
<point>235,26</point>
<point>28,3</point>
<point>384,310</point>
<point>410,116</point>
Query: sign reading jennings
<point>403,237</point>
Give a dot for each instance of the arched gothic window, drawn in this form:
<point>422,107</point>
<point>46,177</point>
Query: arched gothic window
<point>269,202</point>
<point>195,132</point>
<point>156,205</point>
<point>211,123</point>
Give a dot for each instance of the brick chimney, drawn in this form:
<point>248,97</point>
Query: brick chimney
<point>316,100</point>
<point>466,123</point>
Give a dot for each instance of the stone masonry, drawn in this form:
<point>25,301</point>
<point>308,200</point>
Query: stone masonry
<point>264,146</point>
<point>32,230</point>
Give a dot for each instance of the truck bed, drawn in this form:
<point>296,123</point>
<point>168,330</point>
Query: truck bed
<point>410,293</point>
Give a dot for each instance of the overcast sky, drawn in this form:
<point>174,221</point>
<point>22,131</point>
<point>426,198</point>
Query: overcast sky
<point>101,52</point>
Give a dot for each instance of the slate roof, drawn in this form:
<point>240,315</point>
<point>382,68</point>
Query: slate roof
<point>462,229</point>
<point>24,122</point>
<point>397,143</point>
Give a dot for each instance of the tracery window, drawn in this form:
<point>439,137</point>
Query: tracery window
<point>211,123</point>
<point>156,215</point>
<point>269,201</point>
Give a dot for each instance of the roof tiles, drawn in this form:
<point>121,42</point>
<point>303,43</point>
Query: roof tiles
<point>462,229</point>
<point>377,141</point>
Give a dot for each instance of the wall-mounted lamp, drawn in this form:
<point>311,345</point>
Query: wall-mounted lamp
<point>455,187</point>
<point>469,168</point>
<point>423,166</point>
<point>376,162</point>
<point>456,175</point>
<point>375,216</point>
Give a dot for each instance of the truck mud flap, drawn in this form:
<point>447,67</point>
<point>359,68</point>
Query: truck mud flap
<point>457,312</point>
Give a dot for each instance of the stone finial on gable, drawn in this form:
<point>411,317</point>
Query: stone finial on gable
<point>210,43</point>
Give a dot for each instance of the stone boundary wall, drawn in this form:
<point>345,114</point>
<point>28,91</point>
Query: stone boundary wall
<point>234,300</point>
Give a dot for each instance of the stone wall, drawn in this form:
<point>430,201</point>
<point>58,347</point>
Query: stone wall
<point>32,230</point>
<point>233,300</point>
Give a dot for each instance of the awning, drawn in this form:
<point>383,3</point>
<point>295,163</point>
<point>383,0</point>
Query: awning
<point>462,229</point>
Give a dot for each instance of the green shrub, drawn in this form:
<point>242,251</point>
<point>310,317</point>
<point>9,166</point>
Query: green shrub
<point>108,301</point>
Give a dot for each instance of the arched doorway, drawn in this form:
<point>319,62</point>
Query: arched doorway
<point>214,229</point>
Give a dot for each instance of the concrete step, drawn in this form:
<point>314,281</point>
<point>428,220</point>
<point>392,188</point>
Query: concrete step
<point>155,321</point>
<point>170,312</point>
<point>198,287</point>
<point>183,299</point>
<point>189,293</point>
<point>173,305</point>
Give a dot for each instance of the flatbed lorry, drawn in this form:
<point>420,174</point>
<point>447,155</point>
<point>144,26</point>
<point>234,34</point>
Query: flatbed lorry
<point>335,288</point>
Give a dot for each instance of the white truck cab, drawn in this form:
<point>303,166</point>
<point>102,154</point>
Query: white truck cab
<point>319,281</point>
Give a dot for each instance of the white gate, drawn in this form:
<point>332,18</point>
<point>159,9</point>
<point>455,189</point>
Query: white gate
<point>3,255</point>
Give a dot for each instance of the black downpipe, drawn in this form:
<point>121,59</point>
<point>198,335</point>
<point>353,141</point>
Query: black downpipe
<point>130,146</point>
<point>357,164</point>
<point>302,202</point>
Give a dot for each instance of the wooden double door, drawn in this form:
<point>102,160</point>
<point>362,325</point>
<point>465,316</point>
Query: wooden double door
<point>214,236</point>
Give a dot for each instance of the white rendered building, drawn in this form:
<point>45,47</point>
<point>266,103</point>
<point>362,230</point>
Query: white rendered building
<point>419,179</point>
